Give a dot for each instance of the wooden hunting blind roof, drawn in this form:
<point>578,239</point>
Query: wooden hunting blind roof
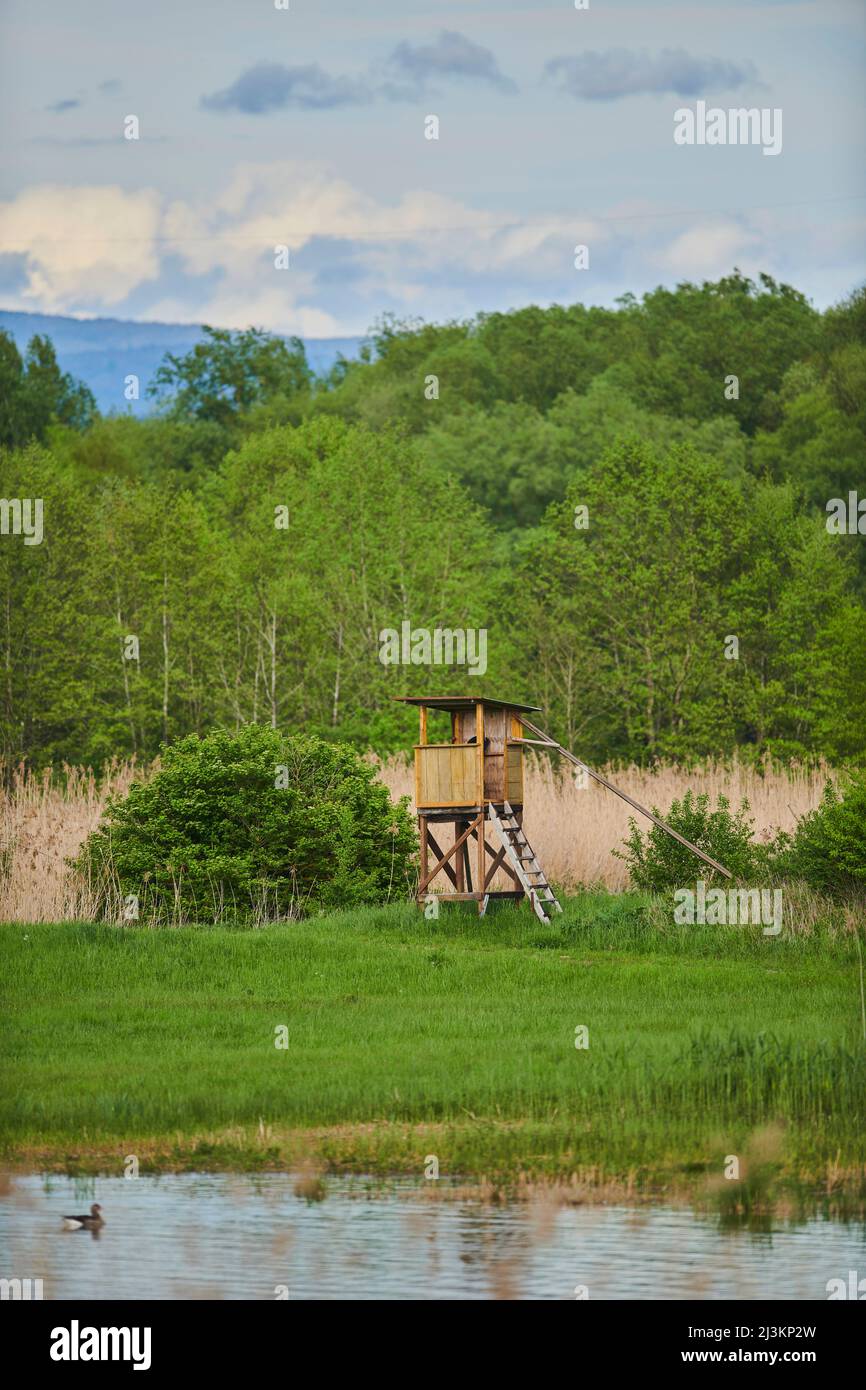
<point>458,702</point>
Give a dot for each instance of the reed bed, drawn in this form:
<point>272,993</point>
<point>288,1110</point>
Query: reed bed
<point>574,829</point>
<point>45,817</point>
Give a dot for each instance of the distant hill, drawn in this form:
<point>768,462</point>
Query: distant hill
<point>102,352</point>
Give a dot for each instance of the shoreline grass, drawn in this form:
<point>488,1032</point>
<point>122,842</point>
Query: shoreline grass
<point>455,1038</point>
<point>495,1160</point>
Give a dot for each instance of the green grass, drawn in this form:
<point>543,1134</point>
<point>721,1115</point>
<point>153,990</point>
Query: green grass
<point>456,1037</point>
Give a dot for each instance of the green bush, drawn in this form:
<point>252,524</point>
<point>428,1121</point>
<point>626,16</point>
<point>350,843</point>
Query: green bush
<point>254,825</point>
<point>657,862</point>
<point>828,848</point>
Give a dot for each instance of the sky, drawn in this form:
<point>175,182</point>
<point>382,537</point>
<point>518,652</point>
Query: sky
<point>305,127</point>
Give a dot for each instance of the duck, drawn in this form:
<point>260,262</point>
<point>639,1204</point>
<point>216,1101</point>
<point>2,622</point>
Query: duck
<point>85,1223</point>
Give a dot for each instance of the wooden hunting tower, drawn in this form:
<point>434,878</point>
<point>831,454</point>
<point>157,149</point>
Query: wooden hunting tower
<point>475,782</point>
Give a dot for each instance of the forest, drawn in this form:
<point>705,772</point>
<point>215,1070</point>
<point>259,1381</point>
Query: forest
<point>633,503</point>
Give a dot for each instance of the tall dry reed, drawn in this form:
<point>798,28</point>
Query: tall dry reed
<point>44,820</point>
<point>573,830</point>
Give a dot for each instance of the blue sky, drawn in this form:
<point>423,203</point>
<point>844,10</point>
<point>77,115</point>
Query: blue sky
<point>305,127</point>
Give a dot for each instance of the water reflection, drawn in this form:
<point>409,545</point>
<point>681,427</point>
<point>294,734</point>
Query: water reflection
<point>272,1236</point>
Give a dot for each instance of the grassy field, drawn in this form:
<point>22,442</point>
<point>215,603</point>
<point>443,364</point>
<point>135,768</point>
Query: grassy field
<point>454,1038</point>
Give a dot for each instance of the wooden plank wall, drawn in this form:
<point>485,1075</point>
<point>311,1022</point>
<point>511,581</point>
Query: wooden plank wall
<point>494,754</point>
<point>446,776</point>
<point>515,775</point>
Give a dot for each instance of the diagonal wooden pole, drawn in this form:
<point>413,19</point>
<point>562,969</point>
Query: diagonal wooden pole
<point>545,741</point>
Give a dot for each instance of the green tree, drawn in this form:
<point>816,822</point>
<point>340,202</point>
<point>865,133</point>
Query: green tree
<point>35,393</point>
<point>52,634</point>
<point>228,372</point>
<point>828,848</point>
<point>692,614</point>
<point>374,534</point>
<point>144,449</point>
<point>694,337</point>
<point>252,825</point>
<point>624,618</point>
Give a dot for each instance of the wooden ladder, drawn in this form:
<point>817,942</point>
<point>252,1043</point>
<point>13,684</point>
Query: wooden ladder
<point>521,857</point>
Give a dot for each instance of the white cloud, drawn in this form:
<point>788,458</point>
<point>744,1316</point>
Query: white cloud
<point>92,244</point>
<point>211,258</point>
<point>710,249</point>
<point>388,251</point>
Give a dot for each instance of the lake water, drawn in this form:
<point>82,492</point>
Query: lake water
<point>225,1236</point>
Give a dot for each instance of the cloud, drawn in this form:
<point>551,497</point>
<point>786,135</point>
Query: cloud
<point>87,142</point>
<point>351,255</point>
<point>623,72</point>
<point>87,245</point>
<point>710,247</point>
<point>271,87</point>
<point>452,55</point>
<point>68,104</point>
<point>405,75</point>
<point>211,258</point>
<point>302,204</point>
